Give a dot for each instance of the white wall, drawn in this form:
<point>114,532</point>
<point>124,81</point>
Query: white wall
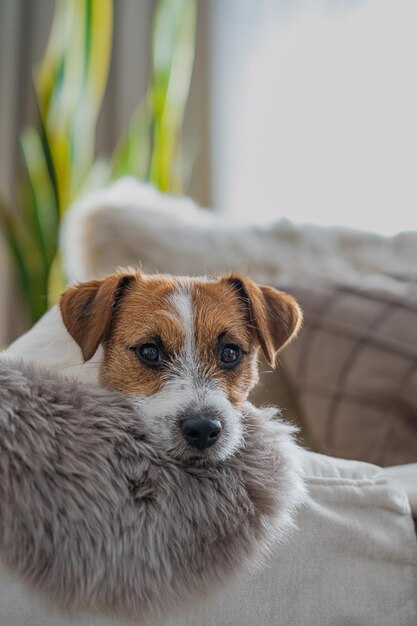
<point>314,111</point>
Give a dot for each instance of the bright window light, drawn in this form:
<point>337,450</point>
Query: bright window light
<point>323,128</point>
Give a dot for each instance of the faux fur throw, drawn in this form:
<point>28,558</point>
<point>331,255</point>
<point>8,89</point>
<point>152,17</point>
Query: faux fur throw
<point>131,223</point>
<point>95,516</point>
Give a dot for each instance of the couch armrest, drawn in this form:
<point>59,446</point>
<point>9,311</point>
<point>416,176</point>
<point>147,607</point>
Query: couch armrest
<point>406,475</point>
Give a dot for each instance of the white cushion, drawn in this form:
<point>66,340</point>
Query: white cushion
<point>406,475</point>
<point>49,344</point>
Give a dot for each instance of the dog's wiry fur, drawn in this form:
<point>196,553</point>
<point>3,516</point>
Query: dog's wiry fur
<point>96,515</point>
<point>191,319</point>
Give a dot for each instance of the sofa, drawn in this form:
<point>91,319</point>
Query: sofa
<point>350,379</point>
<point>352,558</point>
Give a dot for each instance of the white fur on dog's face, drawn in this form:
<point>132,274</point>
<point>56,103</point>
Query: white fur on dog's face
<point>190,322</point>
<point>180,398</point>
<point>188,391</point>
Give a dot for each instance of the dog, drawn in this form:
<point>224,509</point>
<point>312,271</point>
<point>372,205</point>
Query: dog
<point>184,350</point>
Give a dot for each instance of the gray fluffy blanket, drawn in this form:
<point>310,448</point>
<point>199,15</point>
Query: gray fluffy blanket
<point>95,516</point>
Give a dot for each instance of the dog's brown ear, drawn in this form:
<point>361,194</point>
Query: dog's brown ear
<point>87,310</point>
<point>273,315</point>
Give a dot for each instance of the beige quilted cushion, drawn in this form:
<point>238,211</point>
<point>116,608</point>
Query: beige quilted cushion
<point>353,369</point>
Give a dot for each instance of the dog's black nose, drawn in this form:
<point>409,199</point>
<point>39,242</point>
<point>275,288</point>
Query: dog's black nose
<point>201,432</point>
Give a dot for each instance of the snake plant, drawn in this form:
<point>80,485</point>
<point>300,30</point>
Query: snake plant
<point>58,153</point>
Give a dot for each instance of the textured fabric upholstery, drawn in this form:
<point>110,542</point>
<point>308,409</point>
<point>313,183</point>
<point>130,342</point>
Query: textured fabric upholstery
<point>353,369</point>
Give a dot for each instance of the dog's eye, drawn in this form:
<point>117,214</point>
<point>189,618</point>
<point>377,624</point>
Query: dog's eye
<point>230,355</point>
<point>149,353</point>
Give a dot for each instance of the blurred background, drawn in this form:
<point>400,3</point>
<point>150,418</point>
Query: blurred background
<point>259,110</point>
<point>297,108</point>
<point>111,46</point>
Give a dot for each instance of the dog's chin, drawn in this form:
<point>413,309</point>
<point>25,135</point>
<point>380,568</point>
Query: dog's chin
<point>187,455</point>
<point>181,452</point>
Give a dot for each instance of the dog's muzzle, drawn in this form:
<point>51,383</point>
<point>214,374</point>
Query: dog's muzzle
<point>201,432</point>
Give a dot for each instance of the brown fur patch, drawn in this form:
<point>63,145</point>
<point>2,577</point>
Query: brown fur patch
<point>273,316</point>
<point>146,315</point>
<point>125,310</point>
<point>217,311</point>
<point>87,310</point>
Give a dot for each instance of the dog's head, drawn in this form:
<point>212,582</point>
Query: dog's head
<point>184,349</point>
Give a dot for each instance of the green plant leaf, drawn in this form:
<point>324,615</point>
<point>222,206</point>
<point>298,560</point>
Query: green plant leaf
<point>98,176</point>
<point>58,155</point>
<point>173,46</point>
<point>56,280</point>
<point>28,261</point>
<point>70,84</point>
<point>40,203</point>
<point>132,153</point>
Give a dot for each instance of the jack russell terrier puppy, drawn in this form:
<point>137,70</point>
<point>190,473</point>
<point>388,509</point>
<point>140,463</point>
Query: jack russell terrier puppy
<point>185,350</point>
